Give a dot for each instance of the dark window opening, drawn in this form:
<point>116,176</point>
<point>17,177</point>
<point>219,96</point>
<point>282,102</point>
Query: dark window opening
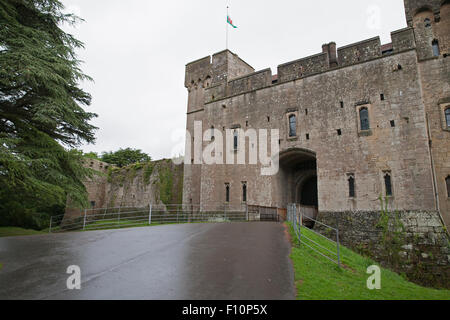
<point>306,111</point>
<point>339,132</point>
<point>392,123</point>
<point>447,117</point>
<point>399,67</point>
<point>382,97</point>
<point>342,104</point>
<point>279,141</point>
<point>351,187</point>
<point>246,123</point>
<point>227,192</point>
<point>364,119</point>
<point>447,181</point>
<point>244,192</point>
<point>436,50</point>
<point>92,204</point>
<point>212,133</point>
<point>268,119</point>
<point>307,136</point>
<point>427,22</point>
<point>388,184</point>
<point>235,140</point>
<point>292,126</point>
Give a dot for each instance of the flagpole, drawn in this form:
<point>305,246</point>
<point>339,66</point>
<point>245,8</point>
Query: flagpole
<point>227,29</point>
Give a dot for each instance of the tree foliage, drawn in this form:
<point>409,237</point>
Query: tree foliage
<point>41,110</point>
<point>125,157</point>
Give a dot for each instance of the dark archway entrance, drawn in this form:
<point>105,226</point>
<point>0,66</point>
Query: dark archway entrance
<point>298,180</point>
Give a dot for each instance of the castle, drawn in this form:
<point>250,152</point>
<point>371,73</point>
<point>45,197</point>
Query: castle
<point>359,126</point>
<point>355,123</point>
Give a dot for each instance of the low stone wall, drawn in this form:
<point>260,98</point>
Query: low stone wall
<point>413,243</point>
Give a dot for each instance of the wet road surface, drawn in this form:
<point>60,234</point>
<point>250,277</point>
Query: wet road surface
<point>190,261</point>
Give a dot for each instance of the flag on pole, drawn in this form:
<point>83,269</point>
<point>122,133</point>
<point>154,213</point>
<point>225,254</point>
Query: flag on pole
<point>230,22</point>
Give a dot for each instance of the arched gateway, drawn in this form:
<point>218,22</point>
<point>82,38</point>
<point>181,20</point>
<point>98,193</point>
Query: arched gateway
<point>298,179</point>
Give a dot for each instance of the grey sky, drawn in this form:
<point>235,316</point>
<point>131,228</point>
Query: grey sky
<point>136,51</point>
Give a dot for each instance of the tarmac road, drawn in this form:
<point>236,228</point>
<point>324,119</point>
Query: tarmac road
<point>191,261</point>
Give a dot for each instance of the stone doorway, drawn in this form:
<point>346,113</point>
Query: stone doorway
<point>298,180</point>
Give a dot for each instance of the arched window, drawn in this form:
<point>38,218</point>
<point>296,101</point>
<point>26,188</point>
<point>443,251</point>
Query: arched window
<point>364,118</point>
<point>447,181</point>
<point>292,126</point>
<point>212,133</point>
<point>244,192</point>
<point>235,140</point>
<point>447,117</point>
<point>388,184</point>
<point>351,187</point>
<point>227,192</point>
<point>436,50</point>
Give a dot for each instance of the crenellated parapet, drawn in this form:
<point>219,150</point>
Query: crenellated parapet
<point>303,67</point>
<point>403,40</point>
<point>231,76</point>
<point>359,52</point>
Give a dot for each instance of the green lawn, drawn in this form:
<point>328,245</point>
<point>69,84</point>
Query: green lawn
<point>317,278</point>
<point>15,231</point>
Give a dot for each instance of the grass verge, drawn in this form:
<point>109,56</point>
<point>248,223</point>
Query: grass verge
<point>15,231</point>
<point>317,278</point>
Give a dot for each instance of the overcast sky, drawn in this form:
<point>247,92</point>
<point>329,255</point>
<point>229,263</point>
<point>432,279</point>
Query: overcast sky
<point>136,51</point>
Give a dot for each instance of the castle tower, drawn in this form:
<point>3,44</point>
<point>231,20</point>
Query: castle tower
<point>430,20</point>
<point>206,79</point>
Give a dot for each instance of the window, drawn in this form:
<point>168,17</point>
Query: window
<point>227,192</point>
<point>292,126</point>
<point>307,136</point>
<point>382,97</point>
<point>427,22</point>
<point>388,183</point>
<point>306,112</point>
<point>339,132</point>
<point>342,104</point>
<point>212,133</point>
<point>244,192</point>
<point>351,186</point>
<point>364,118</point>
<point>447,117</point>
<point>447,181</point>
<point>392,123</point>
<point>92,204</point>
<point>235,140</point>
<point>436,50</point>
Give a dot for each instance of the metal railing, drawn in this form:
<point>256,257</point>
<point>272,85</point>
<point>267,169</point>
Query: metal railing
<point>121,217</point>
<point>296,217</point>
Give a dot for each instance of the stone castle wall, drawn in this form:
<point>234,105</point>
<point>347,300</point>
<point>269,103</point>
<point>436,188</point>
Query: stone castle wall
<point>137,186</point>
<point>420,249</point>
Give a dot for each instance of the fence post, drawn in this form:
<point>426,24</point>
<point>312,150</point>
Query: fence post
<point>50,228</point>
<point>84,221</point>
<point>338,252</point>
<point>300,227</point>
<point>150,215</point>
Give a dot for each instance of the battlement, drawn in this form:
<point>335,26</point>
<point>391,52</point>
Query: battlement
<point>359,52</point>
<point>221,67</point>
<point>303,67</point>
<point>231,76</point>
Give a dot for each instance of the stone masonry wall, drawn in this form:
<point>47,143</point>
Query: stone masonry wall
<point>138,185</point>
<point>420,249</point>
